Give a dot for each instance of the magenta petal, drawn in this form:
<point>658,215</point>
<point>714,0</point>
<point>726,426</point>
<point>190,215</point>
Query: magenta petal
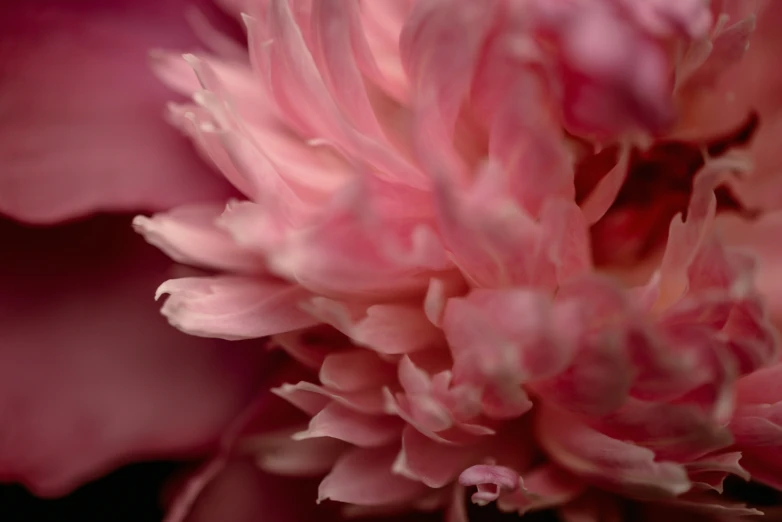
<point>83,128</point>
<point>91,376</point>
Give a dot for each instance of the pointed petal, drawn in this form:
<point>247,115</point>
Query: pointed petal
<point>233,307</point>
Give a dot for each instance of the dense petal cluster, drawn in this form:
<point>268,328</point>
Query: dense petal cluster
<point>439,201</point>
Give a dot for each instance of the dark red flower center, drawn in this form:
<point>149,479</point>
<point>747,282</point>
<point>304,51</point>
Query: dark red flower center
<point>658,186</point>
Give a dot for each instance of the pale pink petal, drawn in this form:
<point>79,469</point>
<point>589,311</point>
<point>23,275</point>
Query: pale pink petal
<point>365,431</point>
<point>679,432</point>
<point>293,76</point>
<point>492,481</point>
<point>569,249</point>
<point>663,17</point>
<point>366,401</point>
<point>507,335</point>
<point>366,243</point>
<point>112,381</point>
<point>541,488</point>
<point>281,454</point>
<point>429,461</point>
<point>364,477</point>
<point>710,472</point>
<point>494,242</point>
<point>356,370</point>
<point>190,235</point>
<point>606,460</point>
<point>528,143</point>
<point>383,21</point>
<point>233,307</point>
<point>389,329</point>
<point>341,52</point>
<point>439,46</point>
<point>600,375</point>
<point>83,130</point>
<point>759,236</point>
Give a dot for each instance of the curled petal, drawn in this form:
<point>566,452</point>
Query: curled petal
<point>190,235</point>
<point>231,307</point>
<point>365,431</point>
<point>492,481</point>
<point>543,487</point>
<point>365,401</point>
<point>710,472</point>
<point>605,460</point>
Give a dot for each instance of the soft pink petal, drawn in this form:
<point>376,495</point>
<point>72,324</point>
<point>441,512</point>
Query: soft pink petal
<point>364,431</point>
<point>84,131</point>
<point>429,461</point>
<point>364,477</point>
<point>492,481</point>
<point>190,235</point>
<point>494,241</point>
<point>710,472</point>
<point>281,454</point>
<point>364,401</point>
<point>605,460</point>
<point>92,376</point>
<point>543,487</point>
<point>439,46</point>
<point>374,239</point>
<point>508,336</point>
<point>233,307</point>
<point>678,432</point>
<point>355,370</point>
<point>759,236</point>
<point>389,329</point>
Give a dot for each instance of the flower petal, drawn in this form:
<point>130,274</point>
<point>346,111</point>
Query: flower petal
<point>363,477</point>
<point>83,129</point>
<point>605,460</point>
<point>190,235</point>
<point>91,376</point>
<point>233,307</point>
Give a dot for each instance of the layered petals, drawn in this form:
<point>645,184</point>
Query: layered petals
<point>485,237</point>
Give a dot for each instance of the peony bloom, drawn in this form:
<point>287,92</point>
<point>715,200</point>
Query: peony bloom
<point>91,377</point>
<point>484,234</point>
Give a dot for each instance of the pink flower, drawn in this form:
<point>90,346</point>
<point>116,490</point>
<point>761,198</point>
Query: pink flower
<point>484,235</point>
<point>91,376</point>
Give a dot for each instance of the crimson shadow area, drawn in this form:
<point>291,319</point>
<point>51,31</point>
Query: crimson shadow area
<point>131,494</point>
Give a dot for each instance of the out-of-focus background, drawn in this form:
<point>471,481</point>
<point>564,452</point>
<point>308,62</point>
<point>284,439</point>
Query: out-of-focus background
<point>131,494</point>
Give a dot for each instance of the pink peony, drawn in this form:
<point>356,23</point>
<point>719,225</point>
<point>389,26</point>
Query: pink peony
<point>491,237</point>
<point>92,377</point>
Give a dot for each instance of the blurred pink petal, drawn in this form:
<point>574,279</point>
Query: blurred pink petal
<point>92,376</point>
<point>82,130</point>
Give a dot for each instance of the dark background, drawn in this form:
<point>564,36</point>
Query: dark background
<point>131,494</point>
